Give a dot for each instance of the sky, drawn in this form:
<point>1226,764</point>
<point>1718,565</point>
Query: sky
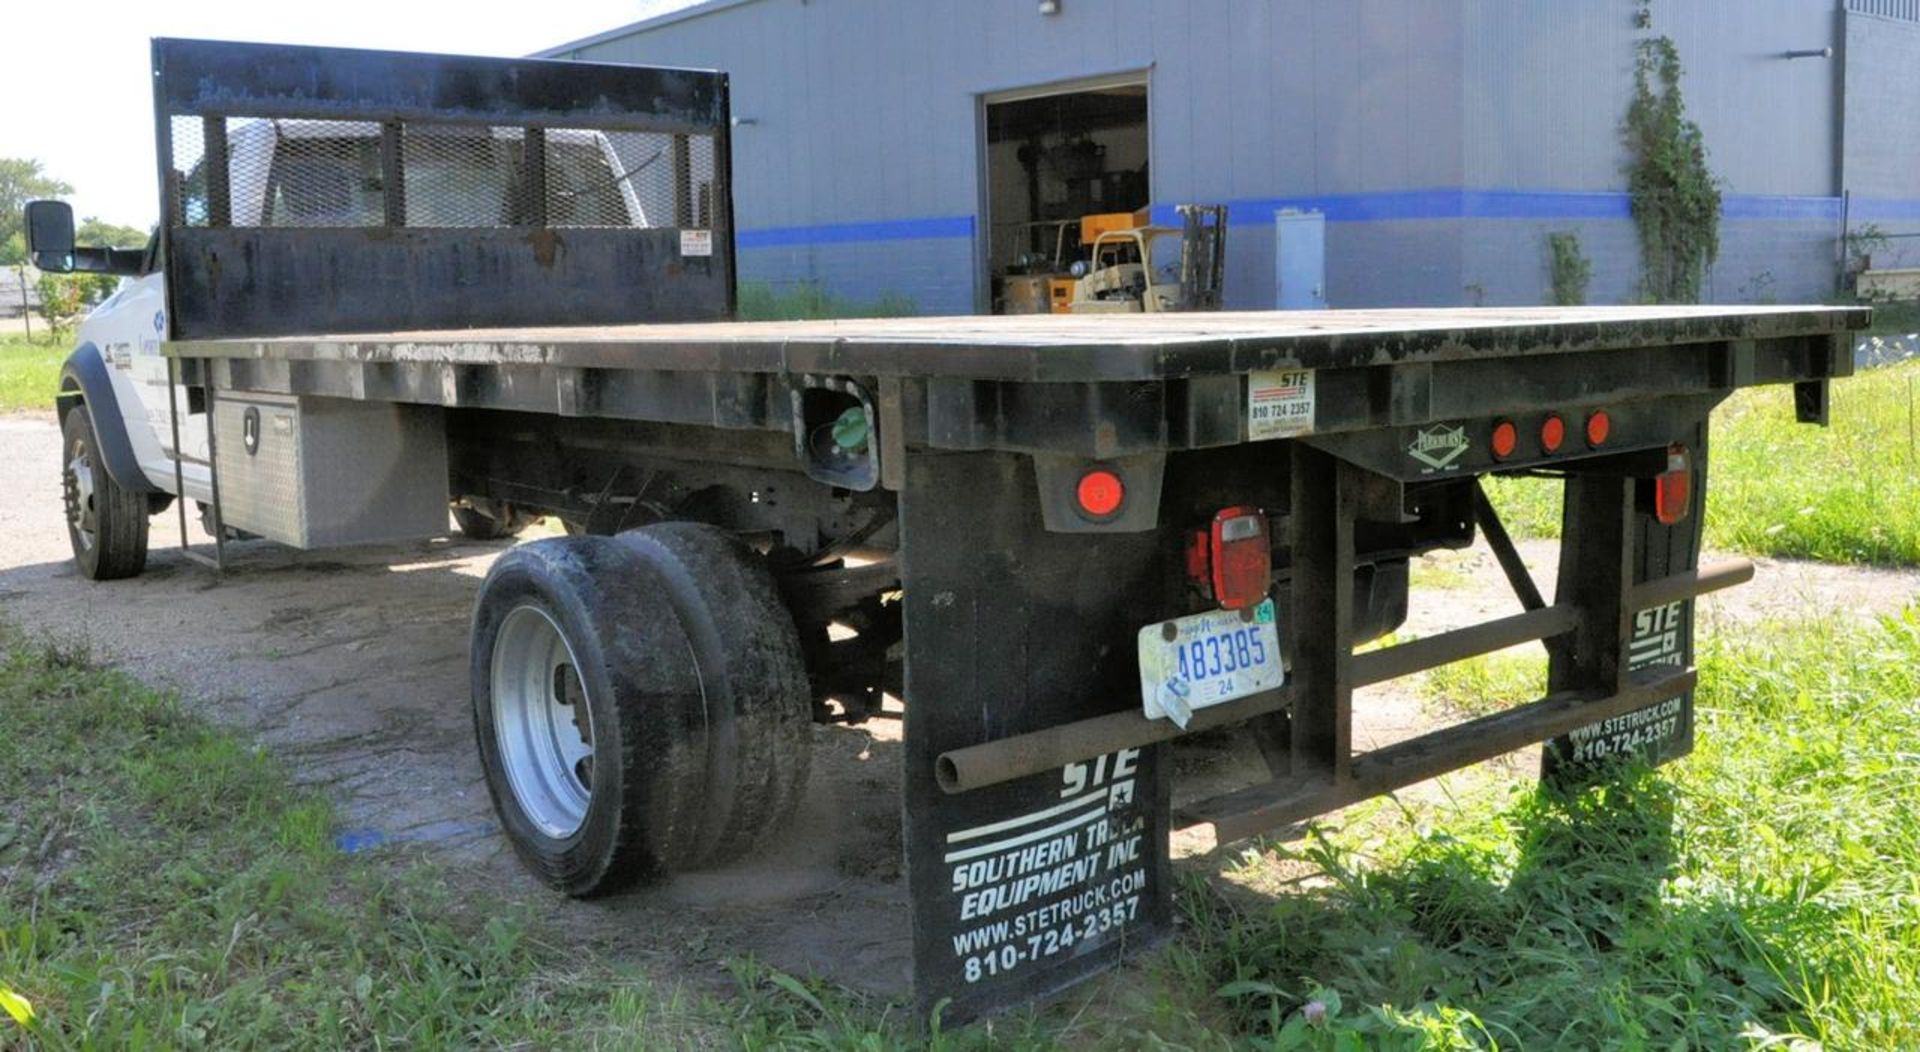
<point>77,95</point>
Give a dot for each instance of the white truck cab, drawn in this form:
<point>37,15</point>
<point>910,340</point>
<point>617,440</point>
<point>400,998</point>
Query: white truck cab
<point>311,174</point>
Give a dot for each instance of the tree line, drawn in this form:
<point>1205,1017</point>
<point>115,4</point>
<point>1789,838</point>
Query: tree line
<point>63,297</point>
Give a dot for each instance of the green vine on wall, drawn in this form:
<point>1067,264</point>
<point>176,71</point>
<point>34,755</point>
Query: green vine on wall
<point>1571,270</point>
<point>1675,198</point>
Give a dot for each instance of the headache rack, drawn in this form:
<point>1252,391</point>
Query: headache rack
<point>335,190</point>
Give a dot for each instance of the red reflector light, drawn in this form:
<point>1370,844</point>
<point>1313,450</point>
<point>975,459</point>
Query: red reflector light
<point>1100,493</point>
<point>1506,438</point>
<point>1673,490</point>
<point>1242,557</point>
<point>1553,432</point>
<point>1599,426</point>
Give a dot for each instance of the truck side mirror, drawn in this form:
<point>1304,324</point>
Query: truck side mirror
<point>50,235</point>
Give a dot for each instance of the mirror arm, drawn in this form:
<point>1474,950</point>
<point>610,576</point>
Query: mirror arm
<point>123,262</point>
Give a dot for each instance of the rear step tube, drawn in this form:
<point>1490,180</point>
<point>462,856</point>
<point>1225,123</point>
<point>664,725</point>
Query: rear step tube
<point>1270,805</point>
<point>977,766</point>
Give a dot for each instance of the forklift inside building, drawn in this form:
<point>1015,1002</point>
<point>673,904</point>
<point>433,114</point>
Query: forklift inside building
<point>1063,167</point>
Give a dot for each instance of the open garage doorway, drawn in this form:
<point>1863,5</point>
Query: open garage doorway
<point>1055,155</point>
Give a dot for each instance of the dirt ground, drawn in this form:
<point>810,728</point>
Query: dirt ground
<point>352,665</point>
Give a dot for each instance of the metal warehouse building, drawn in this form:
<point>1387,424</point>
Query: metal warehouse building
<point>913,147</point>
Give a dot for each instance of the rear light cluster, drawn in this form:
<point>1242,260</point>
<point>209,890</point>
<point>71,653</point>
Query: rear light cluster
<point>1552,435</point>
<point>1673,489</point>
<point>1232,559</point>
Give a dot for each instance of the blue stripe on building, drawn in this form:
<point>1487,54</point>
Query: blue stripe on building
<point>1893,210</point>
<point>1388,206</point>
<point>846,233</point>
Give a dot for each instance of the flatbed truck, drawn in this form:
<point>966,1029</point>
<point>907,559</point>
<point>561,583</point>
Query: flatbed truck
<point>1062,542</point>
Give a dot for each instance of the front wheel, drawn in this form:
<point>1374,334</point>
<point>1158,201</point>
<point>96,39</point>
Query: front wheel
<point>106,525</point>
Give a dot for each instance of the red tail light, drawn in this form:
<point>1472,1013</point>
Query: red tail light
<point>1553,431</point>
<point>1506,438</point>
<point>1242,557</point>
<point>1599,426</point>
<point>1100,494</point>
<point>1673,490</point>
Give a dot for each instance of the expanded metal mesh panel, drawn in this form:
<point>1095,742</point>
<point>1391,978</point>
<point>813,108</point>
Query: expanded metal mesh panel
<point>305,173</point>
<point>187,172</point>
<point>699,183</point>
<point>588,183</point>
<point>314,173</point>
<point>465,176</point>
<point>279,173</point>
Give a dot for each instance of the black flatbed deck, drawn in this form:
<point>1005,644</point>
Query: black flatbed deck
<point>1064,348</point>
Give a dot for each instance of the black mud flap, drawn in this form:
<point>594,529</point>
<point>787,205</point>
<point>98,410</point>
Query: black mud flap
<point>1023,888</point>
<point>1660,636</point>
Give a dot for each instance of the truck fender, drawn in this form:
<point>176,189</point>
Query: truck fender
<point>84,384</point>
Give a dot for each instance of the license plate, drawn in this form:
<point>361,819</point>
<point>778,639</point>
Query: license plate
<point>1189,663</point>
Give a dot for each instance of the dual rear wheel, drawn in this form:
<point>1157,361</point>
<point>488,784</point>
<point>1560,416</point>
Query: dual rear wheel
<point>640,701</point>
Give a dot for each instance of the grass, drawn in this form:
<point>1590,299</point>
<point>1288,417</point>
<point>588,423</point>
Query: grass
<point>1894,318</point>
<point>1846,493</point>
<point>29,373</point>
<point>1489,683</point>
<point>1763,893</point>
<point>759,301</point>
<point>1440,570</point>
<point>162,885</point>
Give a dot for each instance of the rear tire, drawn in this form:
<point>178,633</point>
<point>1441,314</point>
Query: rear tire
<point>760,705</point>
<point>106,525</point>
<point>635,702</point>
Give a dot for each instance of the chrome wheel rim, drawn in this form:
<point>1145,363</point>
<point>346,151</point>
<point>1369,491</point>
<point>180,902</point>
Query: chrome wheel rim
<point>78,491</point>
<point>542,722</point>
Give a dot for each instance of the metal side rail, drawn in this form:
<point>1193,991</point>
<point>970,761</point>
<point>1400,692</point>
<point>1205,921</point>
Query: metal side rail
<point>218,560</point>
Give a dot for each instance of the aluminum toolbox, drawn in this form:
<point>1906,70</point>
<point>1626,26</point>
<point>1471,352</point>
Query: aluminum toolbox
<point>314,472</point>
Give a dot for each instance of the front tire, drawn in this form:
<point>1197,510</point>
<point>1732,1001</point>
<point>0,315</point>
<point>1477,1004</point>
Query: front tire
<point>106,525</point>
<point>625,734</point>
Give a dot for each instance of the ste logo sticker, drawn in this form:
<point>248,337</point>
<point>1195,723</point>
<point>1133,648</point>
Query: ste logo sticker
<point>1279,403</point>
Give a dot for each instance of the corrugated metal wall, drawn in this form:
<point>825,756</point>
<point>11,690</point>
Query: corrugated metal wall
<point>1547,86</point>
<point>1443,138</point>
<point>1881,134</point>
<point>864,121</point>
